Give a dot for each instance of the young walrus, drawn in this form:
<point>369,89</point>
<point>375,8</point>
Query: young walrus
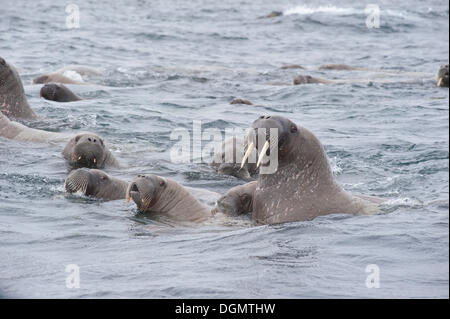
<point>95,183</point>
<point>237,201</point>
<point>162,196</point>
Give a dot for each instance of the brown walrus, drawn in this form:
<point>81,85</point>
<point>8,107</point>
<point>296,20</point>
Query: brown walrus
<point>342,67</point>
<point>58,93</point>
<point>95,183</point>
<point>303,186</point>
<point>238,200</point>
<point>241,101</point>
<point>161,196</point>
<point>226,160</point>
<point>13,102</point>
<point>307,79</point>
<point>442,76</point>
<point>88,150</point>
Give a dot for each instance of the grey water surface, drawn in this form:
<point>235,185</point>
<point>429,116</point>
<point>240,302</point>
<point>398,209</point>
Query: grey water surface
<point>167,63</point>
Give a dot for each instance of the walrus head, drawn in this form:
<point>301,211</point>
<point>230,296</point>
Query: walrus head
<point>442,76</point>
<point>49,92</point>
<point>303,79</point>
<point>233,148</point>
<point>88,151</point>
<point>146,190</point>
<point>42,79</point>
<point>58,92</point>
<point>285,142</point>
<point>96,183</point>
<point>237,201</point>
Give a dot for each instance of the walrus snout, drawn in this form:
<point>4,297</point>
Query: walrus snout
<point>234,169</point>
<point>89,152</point>
<point>227,205</point>
<point>143,190</point>
<point>77,181</point>
<point>274,131</point>
<point>48,92</point>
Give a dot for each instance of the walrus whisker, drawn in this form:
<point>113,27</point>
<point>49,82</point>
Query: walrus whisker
<point>247,154</point>
<point>263,153</point>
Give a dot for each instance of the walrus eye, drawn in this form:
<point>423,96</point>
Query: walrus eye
<point>162,183</point>
<point>244,198</point>
<point>77,138</point>
<point>103,177</point>
<point>293,128</point>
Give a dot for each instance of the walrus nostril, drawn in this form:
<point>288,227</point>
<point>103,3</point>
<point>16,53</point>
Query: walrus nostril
<point>134,188</point>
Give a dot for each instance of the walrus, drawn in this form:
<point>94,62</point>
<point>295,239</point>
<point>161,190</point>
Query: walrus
<point>291,66</point>
<point>241,101</point>
<point>95,183</point>
<point>442,76</point>
<point>58,93</point>
<point>84,150</point>
<point>273,14</point>
<point>341,67</point>
<point>161,196</point>
<point>226,159</point>
<point>13,102</point>
<point>307,79</point>
<point>303,186</point>
<point>88,150</point>
<point>72,74</point>
<point>237,201</point>
<point>19,132</point>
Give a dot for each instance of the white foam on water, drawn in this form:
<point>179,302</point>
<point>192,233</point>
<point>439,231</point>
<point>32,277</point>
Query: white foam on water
<point>330,9</point>
<point>73,75</point>
<point>303,10</point>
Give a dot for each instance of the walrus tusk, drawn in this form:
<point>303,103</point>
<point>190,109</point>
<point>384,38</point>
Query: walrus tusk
<point>95,160</point>
<point>439,82</point>
<point>263,153</point>
<point>247,154</point>
<point>79,158</point>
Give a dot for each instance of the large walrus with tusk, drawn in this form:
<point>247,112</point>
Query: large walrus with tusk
<point>303,186</point>
<point>95,183</point>
<point>161,196</point>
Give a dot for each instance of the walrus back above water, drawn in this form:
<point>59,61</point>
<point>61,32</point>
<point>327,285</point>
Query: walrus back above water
<point>13,102</point>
